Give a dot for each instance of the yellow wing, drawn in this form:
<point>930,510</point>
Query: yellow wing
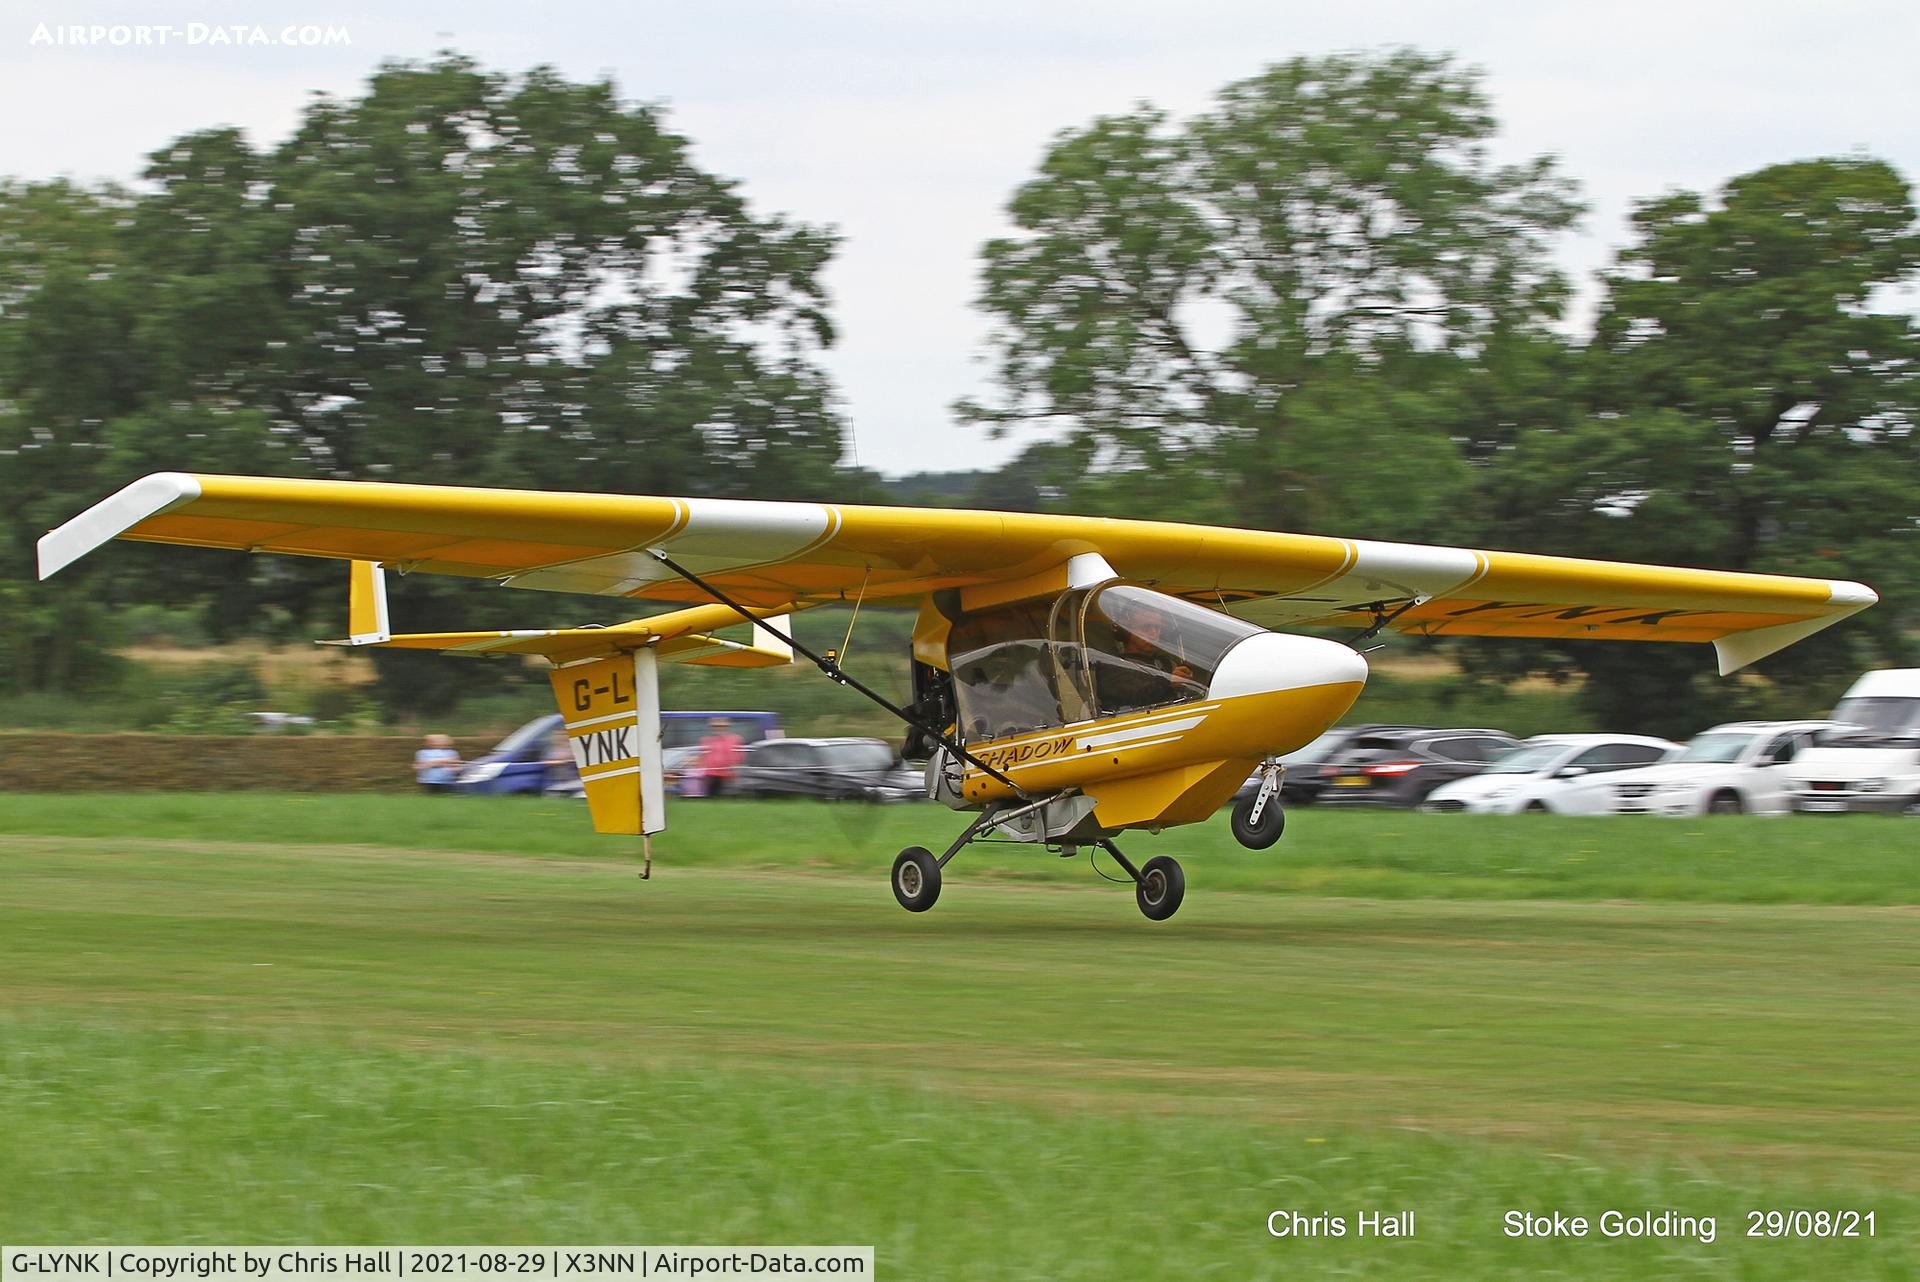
<point>772,555</point>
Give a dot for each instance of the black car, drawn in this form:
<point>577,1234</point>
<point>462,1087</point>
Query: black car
<point>840,769</point>
<point>1400,766</point>
<point>1302,784</point>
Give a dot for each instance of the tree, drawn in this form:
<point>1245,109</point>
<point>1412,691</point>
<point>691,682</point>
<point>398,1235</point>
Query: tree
<point>1324,266</point>
<point>1752,411</point>
<point>457,276</point>
<point>65,367</point>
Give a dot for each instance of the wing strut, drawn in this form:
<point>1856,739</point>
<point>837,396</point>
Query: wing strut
<point>831,667</point>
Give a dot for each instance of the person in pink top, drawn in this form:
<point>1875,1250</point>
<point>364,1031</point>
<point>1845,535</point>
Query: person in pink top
<point>720,754</point>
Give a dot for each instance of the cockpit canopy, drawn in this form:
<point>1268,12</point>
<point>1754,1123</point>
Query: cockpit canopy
<point>1091,652</point>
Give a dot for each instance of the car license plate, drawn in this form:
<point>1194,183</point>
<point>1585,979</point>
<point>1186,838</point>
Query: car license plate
<point>1351,781</point>
<point>1822,805</point>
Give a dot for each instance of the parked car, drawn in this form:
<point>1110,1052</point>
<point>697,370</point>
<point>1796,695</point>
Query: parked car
<point>1887,701</point>
<point>841,769</point>
<point>1874,766</point>
<point>280,722</point>
<point>1303,783</point>
<point>1399,767</point>
<point>1733,769</point>
<point>1858,772</point>
<point>1562,774</point>
<point>518,763</point>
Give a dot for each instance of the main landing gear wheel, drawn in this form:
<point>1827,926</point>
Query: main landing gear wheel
<point>1258,834</point>
<point>1160,889</point>
<point>916,879</point>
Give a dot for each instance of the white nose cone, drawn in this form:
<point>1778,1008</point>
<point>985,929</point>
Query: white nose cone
<point>1276,661</point>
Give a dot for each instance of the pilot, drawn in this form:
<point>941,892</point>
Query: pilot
<point>1144,639</point>
<point>1153,671</point>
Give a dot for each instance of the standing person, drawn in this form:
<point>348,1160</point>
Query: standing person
<point>557,765</point>
<point>719,756</point>
<point>435,766</point>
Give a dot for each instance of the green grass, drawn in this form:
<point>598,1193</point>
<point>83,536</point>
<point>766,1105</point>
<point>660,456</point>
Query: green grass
<point>408,1019</point>
<point>1862,859</point>
<point>211,1137</point>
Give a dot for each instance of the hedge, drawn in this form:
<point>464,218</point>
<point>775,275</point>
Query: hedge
<point>41,762</point>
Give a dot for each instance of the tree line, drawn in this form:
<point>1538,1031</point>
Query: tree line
<point>1318,305</point>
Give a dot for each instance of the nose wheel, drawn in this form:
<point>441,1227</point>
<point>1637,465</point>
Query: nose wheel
<point>1258,820</point>
<point>1256,825</point>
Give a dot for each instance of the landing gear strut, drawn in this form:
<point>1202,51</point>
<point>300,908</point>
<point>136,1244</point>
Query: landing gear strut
<point>1159,885</point>
<point>1258,821</point>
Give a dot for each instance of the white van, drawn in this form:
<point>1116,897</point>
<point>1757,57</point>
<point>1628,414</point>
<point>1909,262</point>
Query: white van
<point>1874,765</point>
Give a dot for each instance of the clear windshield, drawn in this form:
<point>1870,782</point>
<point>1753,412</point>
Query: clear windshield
<point>1085,654</point>
<point>1888,716</point>
<point>1005,689</point>
<point>1716,748</point>
<point>1528,760</point>
<point>1145,648</point>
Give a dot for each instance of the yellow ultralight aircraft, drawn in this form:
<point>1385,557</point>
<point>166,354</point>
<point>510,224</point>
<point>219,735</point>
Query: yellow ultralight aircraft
<point>1073,677</point>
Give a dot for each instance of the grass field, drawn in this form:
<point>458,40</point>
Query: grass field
<point>407,1019</point>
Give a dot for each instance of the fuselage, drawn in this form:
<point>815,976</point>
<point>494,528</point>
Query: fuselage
<point>1179,758</point>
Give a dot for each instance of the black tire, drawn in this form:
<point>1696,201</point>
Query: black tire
<point>916,879</point>
<point>1537,808</point>
<point>1161,888</point>
<point>1726,802</point>
<point>1273,822</point>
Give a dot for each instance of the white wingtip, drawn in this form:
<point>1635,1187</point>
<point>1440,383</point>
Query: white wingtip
<point>112,517</point>
<point>1743,648</point>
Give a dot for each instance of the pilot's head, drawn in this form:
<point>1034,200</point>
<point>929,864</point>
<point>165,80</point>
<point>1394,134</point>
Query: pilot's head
<point>1140,625</point>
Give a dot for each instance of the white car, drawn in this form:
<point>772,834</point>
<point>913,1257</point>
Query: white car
<point>1561,774</point>
<point>1740,768</point>
<point>1876,766</point>
<point>1861,773</point>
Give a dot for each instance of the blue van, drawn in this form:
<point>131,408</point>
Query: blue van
<point>518,763</point>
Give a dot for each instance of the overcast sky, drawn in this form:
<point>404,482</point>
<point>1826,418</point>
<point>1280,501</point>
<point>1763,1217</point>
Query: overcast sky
<point>908,130</point>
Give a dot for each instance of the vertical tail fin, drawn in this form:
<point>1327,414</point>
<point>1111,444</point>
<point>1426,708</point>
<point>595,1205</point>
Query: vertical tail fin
<point>367,622</point>
<point>611,707</point>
